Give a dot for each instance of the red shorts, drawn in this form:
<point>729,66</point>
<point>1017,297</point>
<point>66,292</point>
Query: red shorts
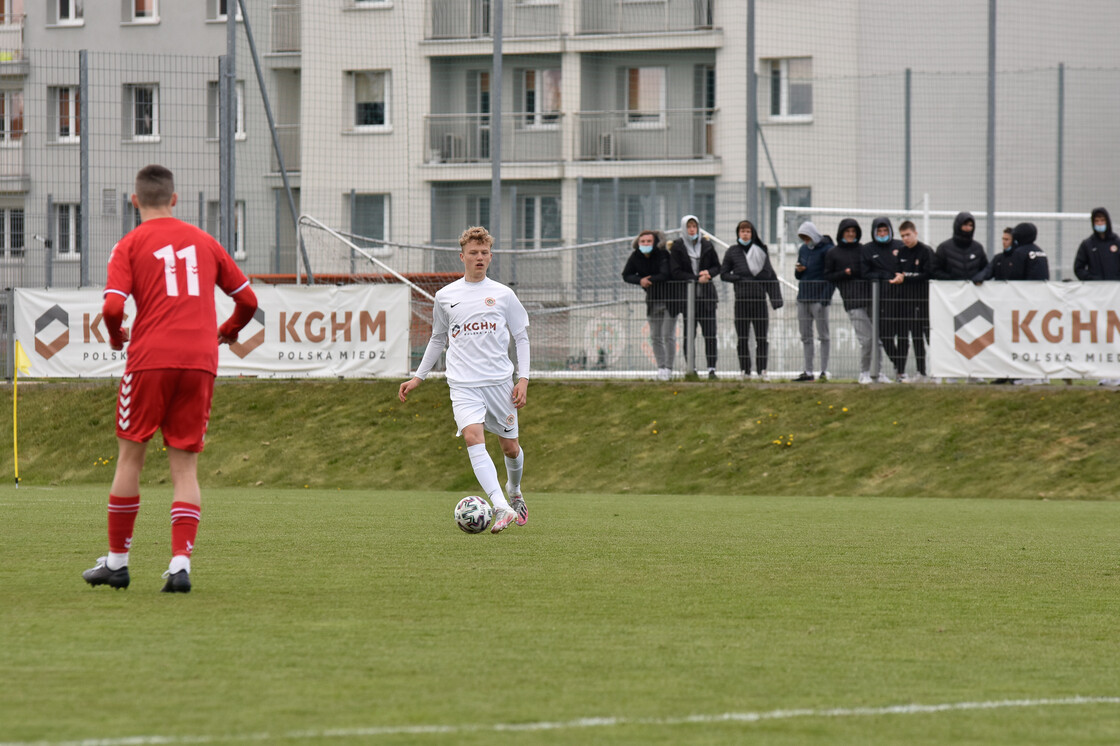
<point>174,401</point>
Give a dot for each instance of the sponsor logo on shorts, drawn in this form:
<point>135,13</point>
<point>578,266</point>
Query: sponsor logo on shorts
<point>510,419</point>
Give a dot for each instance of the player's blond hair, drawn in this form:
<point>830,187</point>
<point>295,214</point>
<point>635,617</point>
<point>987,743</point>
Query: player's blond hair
<point>476,234</point>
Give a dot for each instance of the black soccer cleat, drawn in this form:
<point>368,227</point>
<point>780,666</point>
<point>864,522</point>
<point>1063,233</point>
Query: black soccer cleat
<point>177,582</point>
<point>102,575</point>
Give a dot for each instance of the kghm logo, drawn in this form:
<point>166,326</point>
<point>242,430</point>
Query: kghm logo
<point>970,349</point>
<point>53,315</point>
<point>244,346</point>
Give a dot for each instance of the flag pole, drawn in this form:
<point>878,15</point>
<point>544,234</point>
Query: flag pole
<point>15,422</point>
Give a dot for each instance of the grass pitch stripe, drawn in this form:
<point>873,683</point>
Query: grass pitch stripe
<point>599,722</point>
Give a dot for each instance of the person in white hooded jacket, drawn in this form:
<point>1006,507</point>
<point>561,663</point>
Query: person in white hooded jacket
<point>692,258</point>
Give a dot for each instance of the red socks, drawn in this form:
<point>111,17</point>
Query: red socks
<point>122,519</point>
<point>184,528</point>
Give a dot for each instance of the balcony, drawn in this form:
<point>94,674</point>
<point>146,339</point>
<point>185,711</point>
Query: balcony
<point>286,29</point>
<point>471,19</point>
<point>13,168</point>
<point>12,61</point>
<point>671,134</point>
<point>288,135</point>
<point>465,138</point>
<point>630,17</point>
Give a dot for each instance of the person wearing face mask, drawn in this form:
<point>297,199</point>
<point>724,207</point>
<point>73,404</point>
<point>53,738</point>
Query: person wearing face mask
<point>692,258</point>
<point>961,257</point>
<point>846,267</point>
<point>814,294</point>
<point>747,264</point>
<point>883,255</point>
<point>648,267</point>
<point>1098,256</point>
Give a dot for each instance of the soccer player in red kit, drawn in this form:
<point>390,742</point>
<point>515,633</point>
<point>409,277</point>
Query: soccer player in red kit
<point>171,270</point>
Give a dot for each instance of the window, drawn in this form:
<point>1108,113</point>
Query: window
<point>791,88</point>
<point>541,97</point>
<point>65,12</point>
<point>645,96</point>
<point>218,10</point>
<point>645,212</point>
<point>213,110</point>
<point>369,219</point>
<point>11,232</point>
<point>371,99</point>
<point>794,197</point>
<point>11,118</point>
<point>540,222</point>
<point>12,12</point>
<point>141,104</point>
<point>214,225</point>
<point>65,113</point>
<point>140,11</point>
<point>68,230</point>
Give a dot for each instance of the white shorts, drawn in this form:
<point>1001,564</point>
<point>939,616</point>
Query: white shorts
<point>490,406</point>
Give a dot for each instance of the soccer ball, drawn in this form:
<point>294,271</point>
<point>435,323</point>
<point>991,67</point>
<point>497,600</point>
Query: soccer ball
<point>473,514</point>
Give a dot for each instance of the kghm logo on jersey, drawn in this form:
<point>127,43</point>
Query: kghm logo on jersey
<point>490,301</point>
<point>473,327</point>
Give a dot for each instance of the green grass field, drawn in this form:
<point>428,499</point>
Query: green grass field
<point>332,616</point>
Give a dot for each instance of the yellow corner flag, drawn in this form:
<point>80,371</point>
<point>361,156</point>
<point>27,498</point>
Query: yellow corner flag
<point>22,365</point>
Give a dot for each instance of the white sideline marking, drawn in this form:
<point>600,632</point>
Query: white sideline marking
<point>601,722</point>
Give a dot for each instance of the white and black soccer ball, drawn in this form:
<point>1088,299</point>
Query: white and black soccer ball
<point>473,514</point>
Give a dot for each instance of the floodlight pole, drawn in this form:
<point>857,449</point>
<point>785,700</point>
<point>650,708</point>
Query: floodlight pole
<point>991,197</point>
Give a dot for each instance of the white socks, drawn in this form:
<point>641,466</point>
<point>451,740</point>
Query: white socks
<point>116,560</point>
<point>514,468</point>
<point>179,562</point>
<point>487,475</point>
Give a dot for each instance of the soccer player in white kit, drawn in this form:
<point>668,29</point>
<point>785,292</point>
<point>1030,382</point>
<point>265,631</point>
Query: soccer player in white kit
<point>473,318</point>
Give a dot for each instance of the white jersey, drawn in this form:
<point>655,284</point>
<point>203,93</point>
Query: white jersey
<point>477,319</point>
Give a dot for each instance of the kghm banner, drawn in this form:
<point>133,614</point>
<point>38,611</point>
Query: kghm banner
<point>1025,329</point>
<point>314,332</point>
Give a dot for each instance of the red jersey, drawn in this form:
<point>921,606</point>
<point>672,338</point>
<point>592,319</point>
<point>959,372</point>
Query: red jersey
<point>171,269</point>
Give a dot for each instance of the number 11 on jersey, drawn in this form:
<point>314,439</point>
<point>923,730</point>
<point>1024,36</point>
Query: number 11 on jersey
<point>188,255</point>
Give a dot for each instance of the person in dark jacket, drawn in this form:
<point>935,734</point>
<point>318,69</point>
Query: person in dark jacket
<point>747,264</point>
<point>692,258</point>
<point>814,294</point>
<point>648,267</point>
<point>1098,256</point>
<point>961,257</point>
<point>845,265</point>
<point>883,253</point>
<point>1023,261</point>
<point>914,261</point>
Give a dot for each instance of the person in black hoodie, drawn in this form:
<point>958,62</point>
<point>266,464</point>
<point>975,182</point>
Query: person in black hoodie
<point>961,257</point>
<point>1023,261</point>
<point>883,251</point>
<point>648,267</point>
<point>747,264</point>
<point>914,262</point>
<point>692,258</point>
<point>844,266</point>
<point>814,294</point>
<point>1098,256</point>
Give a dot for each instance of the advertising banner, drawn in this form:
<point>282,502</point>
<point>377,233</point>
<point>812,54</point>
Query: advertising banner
<point>1025,329</point>
<point>313,332</point>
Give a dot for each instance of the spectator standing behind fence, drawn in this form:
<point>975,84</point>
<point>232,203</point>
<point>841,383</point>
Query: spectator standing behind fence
<point>814,294</point>
<point>844,266</point>
<point>961,257</point>
<point>692,258</point>
<point>914,261</point>
<point>1098,256</point>
<point>883,250</point>
<point>747,264</point>
<point>648,267</point>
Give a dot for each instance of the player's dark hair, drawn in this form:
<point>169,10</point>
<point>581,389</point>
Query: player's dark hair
<point>907,225</point>
<point>648,233</point>
<point>154,186</point>
<point>1008,230</point>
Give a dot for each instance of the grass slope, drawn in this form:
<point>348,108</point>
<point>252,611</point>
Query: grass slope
<point>593,437</point>
<point>315,610</point>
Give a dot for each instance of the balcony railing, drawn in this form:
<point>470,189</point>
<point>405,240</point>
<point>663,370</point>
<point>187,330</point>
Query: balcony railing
<point>11,37</point>
<point>285,28</point>
<point>466,138</point>
<point>627,16</point>
<point>288,134</point>
<point>471,19</point>
<point>669,134</point>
